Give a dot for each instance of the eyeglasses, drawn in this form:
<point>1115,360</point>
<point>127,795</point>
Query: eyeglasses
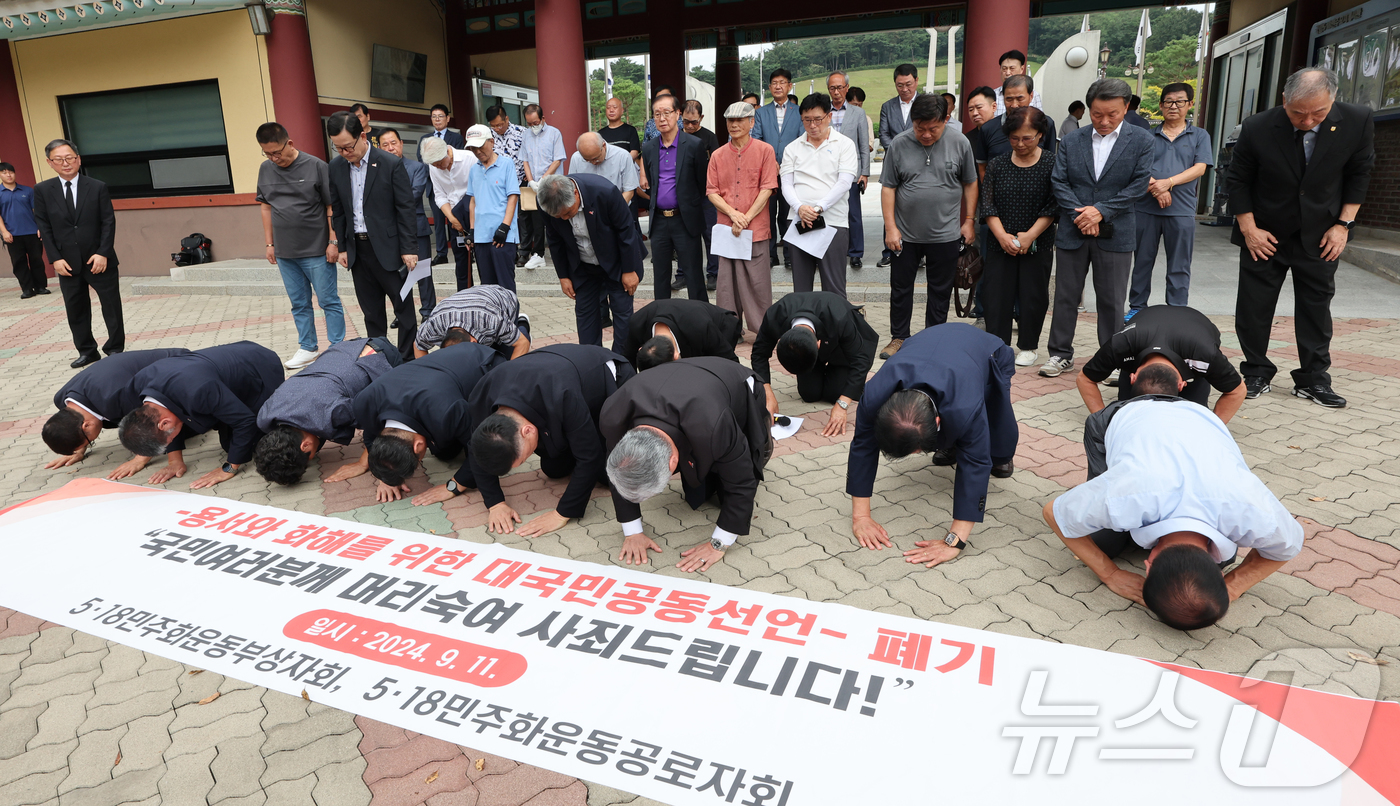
<point>275,154</point>
<point>1016,141</point>
<point>691,122</point>
<point>1175,104</point>
<point>813,121</point>
<point>835,87</point>
<point>63,160</point>
<point>664,113</point>
<point>350,149</point>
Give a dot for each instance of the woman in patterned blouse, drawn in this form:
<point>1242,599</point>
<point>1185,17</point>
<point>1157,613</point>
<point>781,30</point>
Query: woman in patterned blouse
<point>1019,209</point>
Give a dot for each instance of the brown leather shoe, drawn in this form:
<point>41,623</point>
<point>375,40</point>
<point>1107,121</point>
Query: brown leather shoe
<point>891,348</point>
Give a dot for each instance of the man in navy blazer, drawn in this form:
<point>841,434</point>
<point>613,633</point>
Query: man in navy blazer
<point>778,133</point>
<point>1100,173</point>
<point>183,396</point>
<point>596,248</point>
<point>94,399</point>
<point>675,166</point>
<point>415,408</point>
<point>377,234</point>
<point>946,392</point>
<point>439,117</point>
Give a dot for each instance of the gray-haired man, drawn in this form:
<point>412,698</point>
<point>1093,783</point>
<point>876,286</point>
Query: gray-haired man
<point>1100,173</point>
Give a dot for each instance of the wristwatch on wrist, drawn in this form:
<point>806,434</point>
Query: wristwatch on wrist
<point>1347,224</point>
<point>333,243</point>
<point>844,404</point>
<point>228,467</point>
<point>954,541</point>
<point>716,545</point>
<point>453,488</point>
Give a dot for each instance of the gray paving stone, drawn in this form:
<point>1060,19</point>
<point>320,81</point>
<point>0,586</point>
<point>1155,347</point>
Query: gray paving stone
<point>258,798</point>
<point>121,663</point>
<point>24,696</point>
<point>342,784</point>
<point>187,778</point>
<point>50,646</point>
<point>62,720</point>
<point>86,642</point>
<point>37,674</point>
<point>145,743</point>
<point>17,727</point>
<point>978,616</point>
<point>282,708</point>
<point>123,690</point>
<point>90,765</point>
<point>194,715</point>
<point>33,789</point>
<point>1373,630</point>
<point>291,792</point>
<point>295,735</point>
<point>292,765</point>
<point>144,703</point>
<point>195,687</point>
<point>47,758</point>
<point>202,739</point>
<point>237,768</point>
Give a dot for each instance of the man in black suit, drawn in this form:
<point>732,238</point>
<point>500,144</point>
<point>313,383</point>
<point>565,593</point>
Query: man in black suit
<point>219,388</point>
<point>704,417</point>
<point>419,181</point>
<point>415,408</point>
<point>545,403</point>
<point>674,166</point>
<point>1298,176</point>
<point>372,215</point>
<point>94,399</point>
<point>825,341</point>
<point>667,329</point>
<point>440,116</point>
<point>78,226</point>
<point>596,250</point>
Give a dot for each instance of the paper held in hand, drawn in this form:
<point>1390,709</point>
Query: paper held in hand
<point>724,243</point>
<point>423,269</point>
<point>813,242</point>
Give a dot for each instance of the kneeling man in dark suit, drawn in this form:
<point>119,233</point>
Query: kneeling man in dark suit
<point>544,403</point>
<point>94,399</point>
<point>704,417</point>
<point>825,341</point>
<point>667,329</point>
<point>215,388</point>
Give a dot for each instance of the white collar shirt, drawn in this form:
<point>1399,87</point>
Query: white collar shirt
<point>74,182</point>
<point>904,107</point>
<point>816,169</point>
<point>450,186</point>
<point>358,174</point>
<point>1103,146</point>
<point>1174,467</point>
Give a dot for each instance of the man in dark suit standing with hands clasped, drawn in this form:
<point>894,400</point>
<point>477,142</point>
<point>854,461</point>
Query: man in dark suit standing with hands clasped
<point>78,227</point>
<point>1297,180</point>
<point>674,167</point>
<point>372,214</point>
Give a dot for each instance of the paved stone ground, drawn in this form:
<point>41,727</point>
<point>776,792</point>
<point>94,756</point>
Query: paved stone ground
<point>85,721</point>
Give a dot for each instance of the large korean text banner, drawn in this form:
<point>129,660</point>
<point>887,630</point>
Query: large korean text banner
<point>680,690</point>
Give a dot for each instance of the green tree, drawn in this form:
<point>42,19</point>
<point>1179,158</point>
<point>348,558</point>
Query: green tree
<point>701,74</point>
<point>1174,62</point>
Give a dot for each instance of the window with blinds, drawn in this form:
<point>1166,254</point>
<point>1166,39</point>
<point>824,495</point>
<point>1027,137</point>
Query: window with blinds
<point>167,140</point>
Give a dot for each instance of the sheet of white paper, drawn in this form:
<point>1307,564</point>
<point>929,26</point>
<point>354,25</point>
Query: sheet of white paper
<point>785,431</point>
<point>813,242</point>
<point>423,269</point>
<point>724,244</point>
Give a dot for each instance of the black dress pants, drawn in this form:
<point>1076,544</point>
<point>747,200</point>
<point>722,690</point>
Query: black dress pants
<point>1314,282</point>
<point>373,284</point>
<point>1008,279</point>
<point>671,240</point>
<point>79,307</point>
<point>904,270</point>
<point>27,257</point>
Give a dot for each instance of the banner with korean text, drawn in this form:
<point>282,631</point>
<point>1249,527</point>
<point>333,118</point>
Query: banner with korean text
<point>674,688</point>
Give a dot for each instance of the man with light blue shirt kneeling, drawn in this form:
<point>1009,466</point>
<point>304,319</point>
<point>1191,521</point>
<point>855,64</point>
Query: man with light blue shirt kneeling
<point>1165,474</point>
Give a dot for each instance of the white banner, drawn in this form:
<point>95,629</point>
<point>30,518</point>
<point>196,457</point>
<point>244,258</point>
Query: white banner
<point>680,690</point>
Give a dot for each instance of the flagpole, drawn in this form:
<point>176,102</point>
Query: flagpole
<point>1203,54</point>
<point>1144,31</point>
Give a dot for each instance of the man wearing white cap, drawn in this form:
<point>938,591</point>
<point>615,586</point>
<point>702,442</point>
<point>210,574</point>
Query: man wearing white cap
<point>742,175</point>
<point>491,206</point>
<point>451,169</point>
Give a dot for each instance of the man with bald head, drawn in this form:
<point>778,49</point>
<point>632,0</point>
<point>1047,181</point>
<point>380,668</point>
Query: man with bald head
<point>596,156</point>
<point>1297,179</point>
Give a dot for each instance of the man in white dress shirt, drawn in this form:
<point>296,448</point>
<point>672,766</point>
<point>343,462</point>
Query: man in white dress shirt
<point>450,168</point>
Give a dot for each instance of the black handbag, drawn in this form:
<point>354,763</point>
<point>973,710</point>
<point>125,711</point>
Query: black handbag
<point>968,275</point>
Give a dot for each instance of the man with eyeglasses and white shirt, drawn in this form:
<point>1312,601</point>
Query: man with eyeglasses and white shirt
<point>816,175</point>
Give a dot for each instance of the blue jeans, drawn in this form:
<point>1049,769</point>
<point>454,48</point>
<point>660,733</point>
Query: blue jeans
<point>299,277</point>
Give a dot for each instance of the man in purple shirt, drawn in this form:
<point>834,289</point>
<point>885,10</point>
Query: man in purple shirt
<point>674,170</point>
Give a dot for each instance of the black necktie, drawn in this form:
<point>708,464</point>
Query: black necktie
<point>68,196</point>
<point>1298,136</point>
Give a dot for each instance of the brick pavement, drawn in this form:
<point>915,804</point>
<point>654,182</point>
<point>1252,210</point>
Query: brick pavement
<point>84,721</point>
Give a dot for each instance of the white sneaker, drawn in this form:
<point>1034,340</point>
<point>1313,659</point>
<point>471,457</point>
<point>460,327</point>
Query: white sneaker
<point>300,359</point>
<point>1025,358</point>
<point>1112,379</point>
<point>981,323</point>
<point>535,262</point>
<point>1055,366</point>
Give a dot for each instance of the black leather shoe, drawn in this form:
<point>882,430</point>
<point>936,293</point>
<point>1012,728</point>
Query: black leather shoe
<point>43,291</point>
<point>856,264</point>
<point>677,284</point>
<point>1254,386</point>
<point>1003,471</point>
<point>944,458</point>
<point>787,263</point>
<point>394,325</point>
<point>711,283</point>
<point>1321,394</point>
<point>112,352</point>
<point>84,360</point>
<point>439,260</point>
<point>882,263</point>
<point>29,295</point>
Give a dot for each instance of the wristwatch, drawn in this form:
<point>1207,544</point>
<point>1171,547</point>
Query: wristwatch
<point>716,545</point>
<point>228,467</point>
<point>844,404</point>
<point>333,243</point>
<point>453,488</point>
<point>1347,224</point>
<point>954,541</point>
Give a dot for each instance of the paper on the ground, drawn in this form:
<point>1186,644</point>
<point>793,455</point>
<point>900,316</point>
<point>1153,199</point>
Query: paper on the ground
<point>423,269</point>
<point>813,242</point>
<point>785,431</point>
<point>752,699</point>
<point>724,244</point>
